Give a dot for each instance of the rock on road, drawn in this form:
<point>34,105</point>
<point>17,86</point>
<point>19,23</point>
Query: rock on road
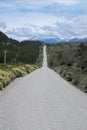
<point>42,100</point>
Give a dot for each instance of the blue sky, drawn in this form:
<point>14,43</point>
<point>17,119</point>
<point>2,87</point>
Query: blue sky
<point>38,19</point>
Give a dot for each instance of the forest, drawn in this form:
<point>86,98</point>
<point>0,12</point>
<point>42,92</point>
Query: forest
<point>19,52</point>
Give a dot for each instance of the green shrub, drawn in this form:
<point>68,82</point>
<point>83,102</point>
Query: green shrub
<point>68,76</point>
<point>1,85</point>
<point>10,72</point>
<point>30,68</point>
<point>4,77</point>
<point>75,81</point>
<point>11,75</point>
<point>83,82</point>
<point>58,69</point>
<point>18,72</point>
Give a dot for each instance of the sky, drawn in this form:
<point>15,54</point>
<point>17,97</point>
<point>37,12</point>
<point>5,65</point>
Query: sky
<point>43,19</point>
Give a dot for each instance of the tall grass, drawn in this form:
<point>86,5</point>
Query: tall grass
<point>10,72</point>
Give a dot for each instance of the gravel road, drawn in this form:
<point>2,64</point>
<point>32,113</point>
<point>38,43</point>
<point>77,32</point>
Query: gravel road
<point>42,100</point>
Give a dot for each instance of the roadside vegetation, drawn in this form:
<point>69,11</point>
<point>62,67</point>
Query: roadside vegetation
<point>70,61</point>
<point>10,72</point>
<point>18,58</point>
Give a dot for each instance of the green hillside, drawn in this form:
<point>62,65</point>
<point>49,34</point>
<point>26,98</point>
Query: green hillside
<point>19,52</point>
<point>70,60</point>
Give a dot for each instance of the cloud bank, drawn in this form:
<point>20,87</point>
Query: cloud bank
<point>36,19</point>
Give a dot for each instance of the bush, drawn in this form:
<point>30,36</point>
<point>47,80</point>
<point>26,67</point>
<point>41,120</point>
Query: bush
<point>69,60</point>
<point>18,72</point>
<point>10,72</point>
<point>1,86</point>
<point>83,82</point>
<point>4,77</point>
<point>30,68</point>
<point>68,76</point>
<point>59,69</point>
<point>75,81</point>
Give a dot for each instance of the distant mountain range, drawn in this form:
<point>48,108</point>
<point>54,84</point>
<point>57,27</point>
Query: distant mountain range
<point>78,40</point>
<point>4,38</point>
<point>56,40</point>
<point>51,40</point>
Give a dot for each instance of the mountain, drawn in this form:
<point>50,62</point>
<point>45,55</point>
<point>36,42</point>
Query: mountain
<point>20,52</point>
<point>57,40</point>
<point>51,40</point>
<point>46,40</point>
<point>7,41</point>
<point>78,40</point>
<point>3,37</point>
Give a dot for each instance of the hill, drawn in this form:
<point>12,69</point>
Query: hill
<point>70,61</point>
<point>3,37</point>
<point>51,40</point>
<point>20,52</point>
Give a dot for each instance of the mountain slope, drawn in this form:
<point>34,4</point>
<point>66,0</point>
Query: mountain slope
<point>20,52</point>
<point>70,60</point>
<point>3,37</point>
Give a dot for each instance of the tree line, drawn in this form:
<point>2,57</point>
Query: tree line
<point>19,52</point>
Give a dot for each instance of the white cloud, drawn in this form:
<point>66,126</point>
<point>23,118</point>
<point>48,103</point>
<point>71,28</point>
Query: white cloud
<point>64,28</point>
<point>21,24</point>
<point>73,27</point>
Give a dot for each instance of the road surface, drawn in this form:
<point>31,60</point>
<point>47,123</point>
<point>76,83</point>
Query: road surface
<point>42,100</point>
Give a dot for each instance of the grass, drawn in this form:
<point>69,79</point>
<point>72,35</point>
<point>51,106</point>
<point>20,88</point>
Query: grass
<point>9,72</point>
